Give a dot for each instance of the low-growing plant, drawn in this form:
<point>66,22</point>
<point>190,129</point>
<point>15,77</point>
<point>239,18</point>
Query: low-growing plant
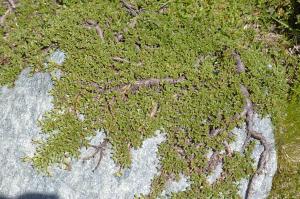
<point>135,67</point>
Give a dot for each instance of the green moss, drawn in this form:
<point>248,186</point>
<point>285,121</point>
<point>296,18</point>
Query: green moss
<point>288,142</point>
<point>191,39</point>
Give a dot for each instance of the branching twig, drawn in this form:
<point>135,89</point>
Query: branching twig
<point>119,37</point>
<point>11,7</point>
<point>98,149</point>
<point>130,8</point>
<point>140,83</point>
<point>213,161</point>
<point>12,4</point>
<point>94,24</point>
<point>249,112</point>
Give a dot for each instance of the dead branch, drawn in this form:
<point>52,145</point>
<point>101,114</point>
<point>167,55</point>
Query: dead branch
<point>12,4</point>
<point>99,149</point>
<point>240,67</point>
<point>99,32</point>
<point>2,18</point>
<point>264,154</point>
<point>249,112</point>
<point>119,37</point>
<point>110,104</point>
<point>138,84</point>
<point>131,9</point>
<point>119,59</point>
<point>214,161</point>
<point>228,149</point>
<point>154,110</point>
<point>261,164</point>
<point>163,8</point>
<point>94,24</point>
<point>215,132</point>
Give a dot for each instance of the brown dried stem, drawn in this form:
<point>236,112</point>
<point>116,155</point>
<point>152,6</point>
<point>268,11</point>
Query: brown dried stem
<point>138,84</point>
<point>12,4</point>
<point>94,24</point>
<point>213,161</point>
<point>240,67</point>
<point>163,8</point>
<point>131,9</point>
<point>120,59</point>
<point>249,112</point>
<point>228,149</point>
<point>98,149</point>
<point>11,7</point>
<point>154,110</point>
<point>2,18</point>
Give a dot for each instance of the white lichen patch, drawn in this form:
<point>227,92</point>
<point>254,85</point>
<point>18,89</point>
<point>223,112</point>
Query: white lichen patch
<point>240,138</point>
<point>215,174</point>
<point>57,57</point>
<point>173,186</point>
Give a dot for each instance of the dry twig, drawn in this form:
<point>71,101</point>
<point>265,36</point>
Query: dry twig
<point>94,24</point>
<point>215,132</point>
<point>214,161</point>
<point>227,149</point>
<point>249,112</point>
<point>131,9</point>
<point>163,8</point>
<point>154,110</point>
<point>138,84</point>
<point>119,37</point>
<point>12,4</point>
<point>119,59</point>
<point>240,67</point>
<point>98,149</point>
<point>11,7</point>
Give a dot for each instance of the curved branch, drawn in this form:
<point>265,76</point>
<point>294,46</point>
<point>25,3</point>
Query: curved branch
<point>138,84</point>
<point>249,112</point>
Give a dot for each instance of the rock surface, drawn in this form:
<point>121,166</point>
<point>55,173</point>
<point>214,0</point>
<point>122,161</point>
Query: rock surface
<point>20,109</point>
<point>22,106</point>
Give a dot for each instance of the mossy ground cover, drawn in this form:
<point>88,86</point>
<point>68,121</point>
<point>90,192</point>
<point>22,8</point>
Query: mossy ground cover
<point>289,155</point>
<point>183,49</point>
<point>286,183</point>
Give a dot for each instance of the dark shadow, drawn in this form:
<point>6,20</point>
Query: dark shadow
<point>293,21</point>
<point>33,196</point>
<point>295,12</point>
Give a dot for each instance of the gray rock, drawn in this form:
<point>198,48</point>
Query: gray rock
<point>20,108</point>
<point>262,184</point>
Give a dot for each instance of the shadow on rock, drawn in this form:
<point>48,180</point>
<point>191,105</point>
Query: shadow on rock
<point>33,196</point>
